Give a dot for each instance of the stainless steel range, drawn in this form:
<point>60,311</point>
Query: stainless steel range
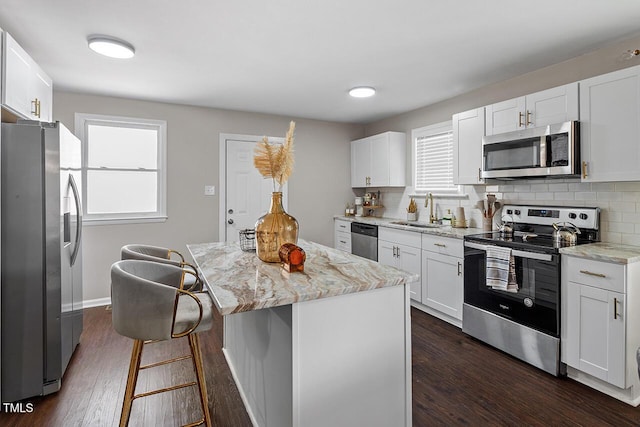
<point>512,280</point>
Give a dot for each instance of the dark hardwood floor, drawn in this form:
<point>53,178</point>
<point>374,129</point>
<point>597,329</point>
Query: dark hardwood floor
<point>456,381</point>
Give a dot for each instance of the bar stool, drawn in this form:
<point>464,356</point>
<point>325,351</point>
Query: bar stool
<point>163,255</point>
<point>149,305</point>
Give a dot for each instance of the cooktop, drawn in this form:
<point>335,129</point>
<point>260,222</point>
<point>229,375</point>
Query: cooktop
<point>533,227</point>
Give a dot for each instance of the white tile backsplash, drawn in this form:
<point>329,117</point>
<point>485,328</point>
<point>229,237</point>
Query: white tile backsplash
<point>619,202</point>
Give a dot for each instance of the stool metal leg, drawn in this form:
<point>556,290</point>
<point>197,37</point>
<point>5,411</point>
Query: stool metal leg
<point>132,379</point>
<point>194,343</point>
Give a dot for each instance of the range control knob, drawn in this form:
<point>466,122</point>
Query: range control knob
<point>584,216</point>
<point>572,215</point>
<point>517,211</point>
<point>509,211</point>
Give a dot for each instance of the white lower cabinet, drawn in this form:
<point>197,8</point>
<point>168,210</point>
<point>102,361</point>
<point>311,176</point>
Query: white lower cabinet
<point>442,276</point>
<point>442,283</point>
<point>401,249</point>
<point>600,328</point>
<point>342,235</point>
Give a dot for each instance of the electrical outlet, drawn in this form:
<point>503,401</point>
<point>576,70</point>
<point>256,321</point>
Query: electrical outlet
<point>209,190</point>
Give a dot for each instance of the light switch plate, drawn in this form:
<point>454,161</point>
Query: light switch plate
<point>209,190</point>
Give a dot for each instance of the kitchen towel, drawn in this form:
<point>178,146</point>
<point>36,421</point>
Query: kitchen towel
<point>512,283</point>
<point>497,271</point>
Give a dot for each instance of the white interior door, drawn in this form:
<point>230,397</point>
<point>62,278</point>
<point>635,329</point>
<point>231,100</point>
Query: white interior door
<point>247,195</point>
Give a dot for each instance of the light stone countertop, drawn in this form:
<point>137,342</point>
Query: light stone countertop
<point>602,251</point>
<point>443,231</point>
<point>238,281</point>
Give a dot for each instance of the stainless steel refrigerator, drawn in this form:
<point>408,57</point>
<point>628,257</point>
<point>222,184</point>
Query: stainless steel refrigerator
<point>41,250</point>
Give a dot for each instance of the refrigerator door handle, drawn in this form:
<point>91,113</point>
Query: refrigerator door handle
<point>76,197</point>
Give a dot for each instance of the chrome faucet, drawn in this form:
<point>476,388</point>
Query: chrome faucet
<point>432,217</point>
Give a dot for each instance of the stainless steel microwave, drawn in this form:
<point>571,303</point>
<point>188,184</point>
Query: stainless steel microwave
<point>552,150</point>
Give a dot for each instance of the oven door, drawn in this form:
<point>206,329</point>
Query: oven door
<point>537,301</point>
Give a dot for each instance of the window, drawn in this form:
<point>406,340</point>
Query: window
<point>433,159</point>
<point>123,168</point>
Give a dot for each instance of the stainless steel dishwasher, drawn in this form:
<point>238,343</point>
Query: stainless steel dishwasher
<point>364,240</point>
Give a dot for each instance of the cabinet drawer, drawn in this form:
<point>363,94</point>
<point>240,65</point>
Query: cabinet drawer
<point>400,237</point>
<point>604,275</point>
<point>443,245</point>
<point>342,225</point>
<point>343,241</point>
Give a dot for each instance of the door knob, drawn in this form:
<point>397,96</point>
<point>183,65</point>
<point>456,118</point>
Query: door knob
<point>230,221</point>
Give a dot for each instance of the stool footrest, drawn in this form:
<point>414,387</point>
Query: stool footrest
<point>196,423</point>
<point>162,390</point>
<point>165,362</point>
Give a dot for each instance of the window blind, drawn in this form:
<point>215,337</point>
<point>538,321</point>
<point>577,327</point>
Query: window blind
<point>434,161</point>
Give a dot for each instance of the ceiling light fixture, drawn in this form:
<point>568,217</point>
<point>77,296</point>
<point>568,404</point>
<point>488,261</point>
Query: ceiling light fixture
<point>362,92</point>
<point>111,47</point>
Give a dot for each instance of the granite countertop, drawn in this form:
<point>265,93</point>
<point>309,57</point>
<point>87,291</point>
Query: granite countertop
<point>238,281</point>
<point>444,231</point>
<point>609,252</point>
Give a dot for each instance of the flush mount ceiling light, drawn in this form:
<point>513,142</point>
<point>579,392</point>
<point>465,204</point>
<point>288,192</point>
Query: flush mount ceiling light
<point>362,92</point>
<point>111,46</point>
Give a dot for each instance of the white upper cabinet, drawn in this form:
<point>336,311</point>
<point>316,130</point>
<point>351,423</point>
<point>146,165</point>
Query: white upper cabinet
<point>556,105</point>
<point>379,160</point>
<point>610,126</point>
<point>468,130</point>
<point>27,91</point>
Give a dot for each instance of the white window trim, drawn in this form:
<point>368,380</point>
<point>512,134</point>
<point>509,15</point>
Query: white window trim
<point>82,120</point>
<point>427,130</point>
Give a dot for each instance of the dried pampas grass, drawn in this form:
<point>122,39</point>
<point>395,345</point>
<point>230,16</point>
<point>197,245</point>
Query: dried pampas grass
<point>275,161</point>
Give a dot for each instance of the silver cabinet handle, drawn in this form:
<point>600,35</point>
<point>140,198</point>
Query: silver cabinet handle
<point>442,245</point>
<point>520,117</point>
<point>398,251</point>
<point>615,308</point>
<point>394,252</point>
<point>459,268</point>
<point>529,122</point>
<point>592,274</point>
<point>343,241</point>
<point>584,169</point>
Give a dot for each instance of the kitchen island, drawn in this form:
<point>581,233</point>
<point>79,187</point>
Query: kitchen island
<point>327,346</point>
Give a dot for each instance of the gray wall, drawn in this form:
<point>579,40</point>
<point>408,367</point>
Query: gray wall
<point>620,202</point>
<point>592,64</point>
<point>318,187</point>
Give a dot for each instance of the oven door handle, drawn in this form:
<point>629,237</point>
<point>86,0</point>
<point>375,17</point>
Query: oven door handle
<point>514,252</point>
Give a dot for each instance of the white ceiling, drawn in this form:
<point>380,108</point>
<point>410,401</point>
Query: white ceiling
<point>298,58</point>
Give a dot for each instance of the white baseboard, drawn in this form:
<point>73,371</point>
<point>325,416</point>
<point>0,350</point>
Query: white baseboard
<point>435,313</point>
<point>630,395</point>
<point>96,302</point>
<point>243,396</point>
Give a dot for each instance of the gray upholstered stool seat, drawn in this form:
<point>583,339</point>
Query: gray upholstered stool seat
<point>163,255</point>
<point>149,304</point>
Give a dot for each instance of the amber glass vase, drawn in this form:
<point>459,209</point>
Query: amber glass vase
<point>274,229</point>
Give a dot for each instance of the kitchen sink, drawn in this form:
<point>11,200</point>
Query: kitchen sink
<point>417,224</point>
